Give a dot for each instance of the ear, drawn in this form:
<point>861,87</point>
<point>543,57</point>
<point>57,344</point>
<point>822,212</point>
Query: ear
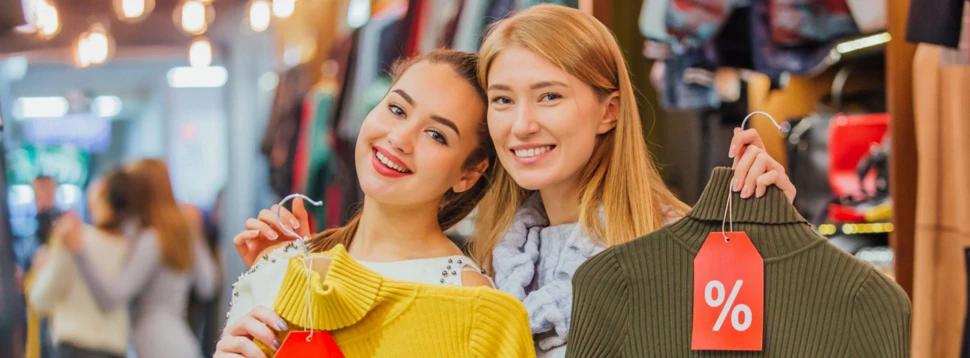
<point>612,111</point>
<point>470,177</point>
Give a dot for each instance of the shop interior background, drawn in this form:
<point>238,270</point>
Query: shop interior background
<point>89,85</point>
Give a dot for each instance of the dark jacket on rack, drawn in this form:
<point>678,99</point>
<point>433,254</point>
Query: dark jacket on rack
<point>634,300</point>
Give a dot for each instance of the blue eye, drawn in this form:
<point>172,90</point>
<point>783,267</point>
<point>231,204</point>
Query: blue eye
<point>551,96</point>
<point>501,100</point>
<point>396,110</point>
<point>437,136</point>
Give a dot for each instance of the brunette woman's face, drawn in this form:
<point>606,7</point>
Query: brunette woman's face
<point>413,146</point>
<point>543,120</point>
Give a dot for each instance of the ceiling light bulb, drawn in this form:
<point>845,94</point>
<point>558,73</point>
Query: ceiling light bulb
<point>283,8</point>
<point>259,15</point>
<point>200,53</point>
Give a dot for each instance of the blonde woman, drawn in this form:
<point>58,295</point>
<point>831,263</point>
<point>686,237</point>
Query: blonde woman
<point>563,116</point>
<point>167,258</point>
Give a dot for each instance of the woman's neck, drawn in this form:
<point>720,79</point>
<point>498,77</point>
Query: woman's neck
<point>115,231</point>
<point>393,233</point>
<point>561,202</point>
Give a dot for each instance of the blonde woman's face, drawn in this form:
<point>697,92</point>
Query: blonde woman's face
<point>544,121</point>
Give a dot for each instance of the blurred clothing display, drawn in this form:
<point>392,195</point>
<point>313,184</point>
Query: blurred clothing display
<point>935,22</point>
<point>941,80</point>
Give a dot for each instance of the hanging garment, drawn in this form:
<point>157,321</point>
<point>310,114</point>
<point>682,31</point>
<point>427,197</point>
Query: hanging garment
<point>438,13</point>
<point>806,22</point>
<point>320,166</point>
<point>696,22</point>
<point>688,81</point>
<point>470,25</point>
<point>499,9</point>
<point>935,22</point>
<point>652,21</point>
<point>941,80</point>
<point>260,285</point>
<point>772,59</point>
<point>635,300</point>
<point>372,316</point>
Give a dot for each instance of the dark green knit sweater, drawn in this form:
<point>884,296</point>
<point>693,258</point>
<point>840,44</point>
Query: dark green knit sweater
<point>635,299</point>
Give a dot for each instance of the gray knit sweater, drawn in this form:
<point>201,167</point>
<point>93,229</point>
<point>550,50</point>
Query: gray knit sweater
<point>535,263</point>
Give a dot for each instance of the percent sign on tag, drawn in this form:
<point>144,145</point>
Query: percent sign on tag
<point>729,278</point>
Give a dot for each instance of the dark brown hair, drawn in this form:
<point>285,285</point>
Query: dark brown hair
<point>454,206</point>
<point>115,191</point>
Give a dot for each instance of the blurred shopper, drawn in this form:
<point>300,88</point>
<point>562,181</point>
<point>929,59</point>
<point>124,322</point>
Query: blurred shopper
<point>45,194</point>
<point>205,315</point>
<point>168,257</point>
<point>79,328</point>
<point>45,201</point>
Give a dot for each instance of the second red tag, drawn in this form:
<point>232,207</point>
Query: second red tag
<point>320,345</point>
<point>729,294</point>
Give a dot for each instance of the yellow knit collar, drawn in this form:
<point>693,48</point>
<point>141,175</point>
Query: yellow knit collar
<point>342,298</point>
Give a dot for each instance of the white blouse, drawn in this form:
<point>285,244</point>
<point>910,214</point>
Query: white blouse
<point>260,285</point>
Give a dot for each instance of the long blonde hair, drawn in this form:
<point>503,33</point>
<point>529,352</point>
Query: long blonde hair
<point>620,176</point>
<point>153,203</point>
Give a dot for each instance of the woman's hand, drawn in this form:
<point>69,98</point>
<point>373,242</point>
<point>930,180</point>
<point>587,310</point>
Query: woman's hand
<point>68,228</point>
<point>264,232</point>
<point>237,339</point>
<point>754,169</point>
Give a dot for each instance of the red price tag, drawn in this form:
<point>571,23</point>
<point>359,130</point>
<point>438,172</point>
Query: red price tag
<point>321,344</point>
<point>729,294</point>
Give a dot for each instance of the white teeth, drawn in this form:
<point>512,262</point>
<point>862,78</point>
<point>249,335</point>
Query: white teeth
<point>528,153</point>
<point>389,163</point>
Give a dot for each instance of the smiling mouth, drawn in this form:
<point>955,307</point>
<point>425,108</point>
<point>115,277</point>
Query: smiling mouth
<point>388,163</point>
<point>532,152</point>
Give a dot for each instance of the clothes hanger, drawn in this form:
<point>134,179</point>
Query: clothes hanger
<point>728,210</point>
<point>319,263</point>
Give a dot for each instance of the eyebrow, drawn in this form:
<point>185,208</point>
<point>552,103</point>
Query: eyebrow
<point>534,86</point>
<point>406,96</point>
<point>445,121</point>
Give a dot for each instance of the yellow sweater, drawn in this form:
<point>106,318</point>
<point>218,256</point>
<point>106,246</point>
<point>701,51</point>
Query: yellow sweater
<point>370,316</point>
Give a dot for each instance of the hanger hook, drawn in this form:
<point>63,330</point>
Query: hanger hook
<point>746,118</point>
<point>279,218</point>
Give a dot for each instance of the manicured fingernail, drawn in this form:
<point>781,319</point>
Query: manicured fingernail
<point>734,185</point>
<point>746,191</point>
<point>295,224</point>
<point>272,235</point>
<point>253,233</point>
<point>281,325</point>
<point>731,151</point>
<point>276,344</point>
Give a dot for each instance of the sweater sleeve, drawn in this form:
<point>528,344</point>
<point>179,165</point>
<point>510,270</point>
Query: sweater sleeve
<point>205,271</point>
<point>600,309</point>
<point>110,293</point>
<point>501,328</point>
<point>52,281</point>
<point>880,321</point>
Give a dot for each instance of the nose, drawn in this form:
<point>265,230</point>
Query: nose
<point>400,139</point>
<point>525,123</point>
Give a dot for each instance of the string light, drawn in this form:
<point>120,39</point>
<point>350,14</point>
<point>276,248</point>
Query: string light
<point>200,52</point>
<point>94,46</point>
<point>259,15</point>
<point>283,8</point>
<point>132,11</point>
<point>194,16</point>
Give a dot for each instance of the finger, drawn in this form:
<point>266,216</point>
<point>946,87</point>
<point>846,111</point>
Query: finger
<point>226,355</point>
<point>269,318</point>
<point>264,229</point>
<point>240,346</point>
<point>758,168</point>
<point>258,330</point>
<point>742,165</point>
<point>778,179</point>
<point>245,236</point>
<point>299,211</point>
<point>269,218</point>
<point>742,139</point>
